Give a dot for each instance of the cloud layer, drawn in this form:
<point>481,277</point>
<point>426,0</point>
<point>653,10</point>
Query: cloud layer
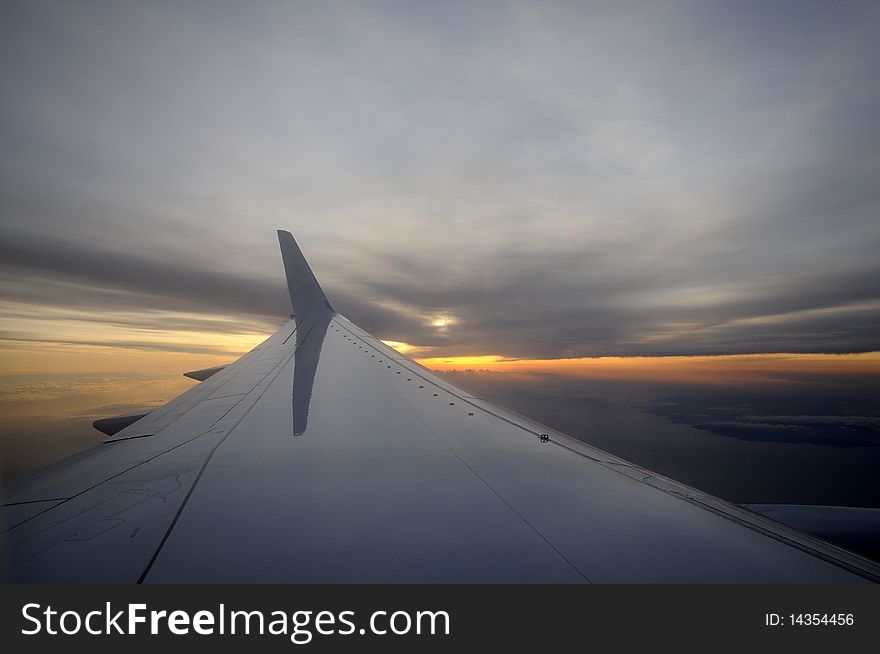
<point>524,179</point>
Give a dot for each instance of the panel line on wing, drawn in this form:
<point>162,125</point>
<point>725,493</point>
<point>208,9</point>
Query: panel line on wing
<point>781,533</point>
<point>486,483</point>
<point>200,433</point>
<point>280,366</point>
<point>48,499</point>
<point>127,438</point>
<point>110,478</point>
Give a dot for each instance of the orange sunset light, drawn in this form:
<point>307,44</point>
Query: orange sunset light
<point>727,369</point>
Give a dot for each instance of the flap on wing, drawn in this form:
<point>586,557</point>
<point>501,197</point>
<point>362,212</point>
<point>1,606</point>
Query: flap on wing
<point>204,373</point>
<point>114,424</point>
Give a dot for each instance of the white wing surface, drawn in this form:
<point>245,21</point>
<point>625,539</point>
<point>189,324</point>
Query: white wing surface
<point>325,456</point>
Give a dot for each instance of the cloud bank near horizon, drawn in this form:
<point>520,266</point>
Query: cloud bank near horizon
<point>521,179</point>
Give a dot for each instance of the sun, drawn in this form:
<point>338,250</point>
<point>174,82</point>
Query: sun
<point>442,322</point>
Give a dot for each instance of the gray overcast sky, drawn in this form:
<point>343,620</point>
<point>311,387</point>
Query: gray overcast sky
<point>553,178</point>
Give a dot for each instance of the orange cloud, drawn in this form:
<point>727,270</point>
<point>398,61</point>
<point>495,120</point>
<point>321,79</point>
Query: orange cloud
<point>729,369</point>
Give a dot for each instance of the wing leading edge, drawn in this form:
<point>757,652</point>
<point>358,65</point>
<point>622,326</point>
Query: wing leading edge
<point>325,456</point>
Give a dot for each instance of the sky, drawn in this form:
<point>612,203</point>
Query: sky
<point>478,182</point>
<point>518,179</point>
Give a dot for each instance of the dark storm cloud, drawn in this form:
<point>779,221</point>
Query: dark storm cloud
<point>165,283</point>
<point>542,306</point>
<point>551,179</point>
<point>19,340</point>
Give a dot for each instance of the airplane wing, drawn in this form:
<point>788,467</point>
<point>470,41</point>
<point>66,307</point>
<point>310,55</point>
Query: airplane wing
<point>323,455</point>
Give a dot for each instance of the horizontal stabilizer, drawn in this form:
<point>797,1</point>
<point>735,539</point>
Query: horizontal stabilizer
<point>114,424</point>
<point>204,373</point>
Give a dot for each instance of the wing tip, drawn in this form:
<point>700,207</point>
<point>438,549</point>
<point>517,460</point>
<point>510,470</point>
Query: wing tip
<point>306,295</point>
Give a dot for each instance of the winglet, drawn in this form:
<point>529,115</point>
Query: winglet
<point>306,296</point>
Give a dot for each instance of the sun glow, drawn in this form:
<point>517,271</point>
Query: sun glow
<point>440,323</point>
<point>405,348</point>
<point>728,369</point>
